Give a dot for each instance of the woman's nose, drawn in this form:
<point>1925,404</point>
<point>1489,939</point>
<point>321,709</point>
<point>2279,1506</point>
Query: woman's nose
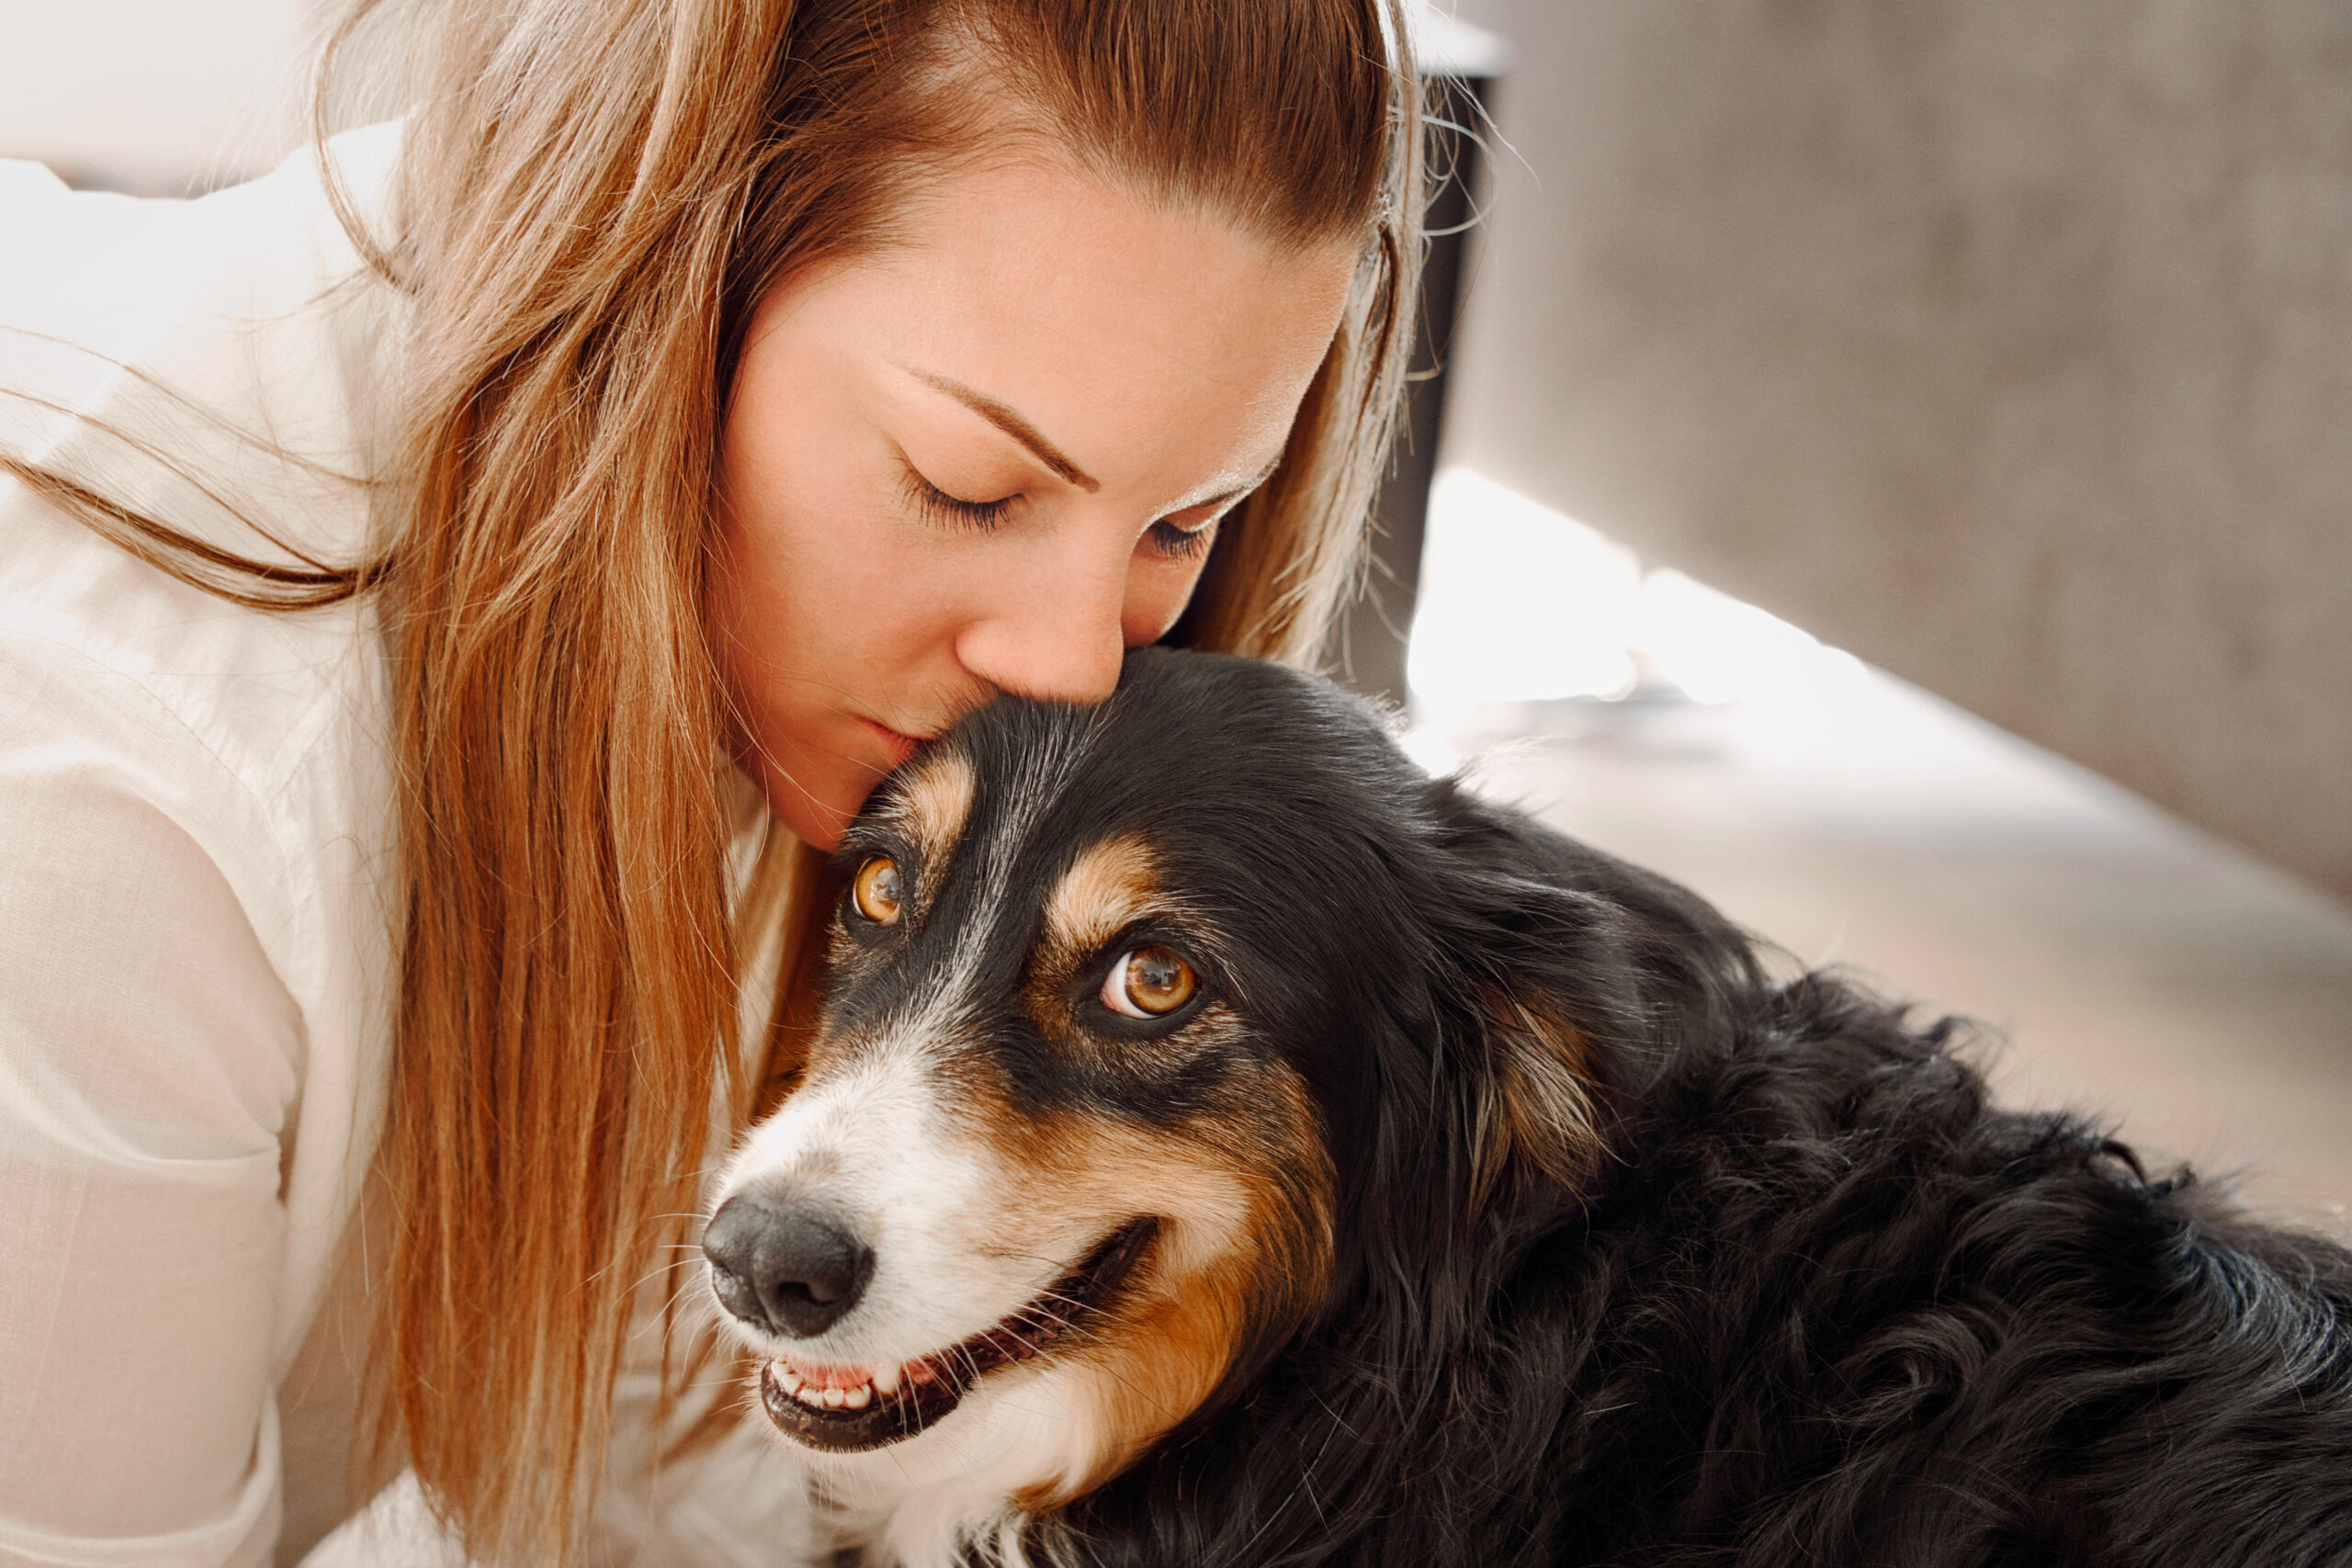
<point>1056,638</point>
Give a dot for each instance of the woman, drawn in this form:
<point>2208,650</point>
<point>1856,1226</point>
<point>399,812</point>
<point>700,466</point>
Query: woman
<point>399,549</point>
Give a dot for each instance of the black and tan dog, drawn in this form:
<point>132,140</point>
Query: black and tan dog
<point>1226,1146</point>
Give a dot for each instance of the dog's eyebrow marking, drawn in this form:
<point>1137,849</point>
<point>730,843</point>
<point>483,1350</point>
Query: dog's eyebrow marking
<point>1040,771</point>
<point>1105,888</point>
<point>934,804</point>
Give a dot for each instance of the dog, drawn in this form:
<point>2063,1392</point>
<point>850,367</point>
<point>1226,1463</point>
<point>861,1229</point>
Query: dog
<point>1223,1144</point>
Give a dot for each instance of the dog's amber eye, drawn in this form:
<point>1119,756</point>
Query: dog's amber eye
<point>875,891</point>
<point>1149,982</point>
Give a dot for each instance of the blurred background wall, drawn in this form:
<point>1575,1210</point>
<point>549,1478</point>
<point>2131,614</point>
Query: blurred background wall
<point>2008,344</point>
<point>151,96</point>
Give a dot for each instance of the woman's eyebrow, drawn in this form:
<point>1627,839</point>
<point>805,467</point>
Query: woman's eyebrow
<point>1013,425</point>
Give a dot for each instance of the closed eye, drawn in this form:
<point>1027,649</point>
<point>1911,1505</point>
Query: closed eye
<point>1180,541</point>
<point>953,511</point>
<point>1181,535</point>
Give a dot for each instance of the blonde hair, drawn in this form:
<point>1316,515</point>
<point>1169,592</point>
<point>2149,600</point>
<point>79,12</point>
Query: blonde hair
<point>592,196</point>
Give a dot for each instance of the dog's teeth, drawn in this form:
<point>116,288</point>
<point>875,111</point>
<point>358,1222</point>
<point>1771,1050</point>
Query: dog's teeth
<point>786,1379</point>
<point>886,1383</point>
<point>858,1397</point>
<point>835,1399</point>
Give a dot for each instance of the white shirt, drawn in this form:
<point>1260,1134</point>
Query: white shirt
<point>195,899</point>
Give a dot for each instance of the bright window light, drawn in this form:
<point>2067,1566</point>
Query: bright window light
<point>1433,752</point>
<point>1519,603</point>
<point>1522,603</point>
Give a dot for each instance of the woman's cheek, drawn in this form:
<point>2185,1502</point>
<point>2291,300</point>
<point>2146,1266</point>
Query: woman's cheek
<point>1158,591</point>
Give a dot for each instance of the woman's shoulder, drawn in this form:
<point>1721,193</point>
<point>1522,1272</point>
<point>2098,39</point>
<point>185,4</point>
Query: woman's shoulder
<point>212,362</point>
<point>95,267</point>
<point>214,366</point>
<point>260,734</point>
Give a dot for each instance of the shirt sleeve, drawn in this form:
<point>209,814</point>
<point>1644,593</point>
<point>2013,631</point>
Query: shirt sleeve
<point>149,1065</point>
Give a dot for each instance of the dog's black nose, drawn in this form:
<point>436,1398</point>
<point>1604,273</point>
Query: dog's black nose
<point>782,1269</point>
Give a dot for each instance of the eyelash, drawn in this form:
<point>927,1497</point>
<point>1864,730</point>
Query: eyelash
<point>1180,544</point>
<point>936,504</point>
<point>954,511</point>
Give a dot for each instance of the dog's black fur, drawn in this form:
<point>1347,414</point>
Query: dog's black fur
<point>1818,1303</point>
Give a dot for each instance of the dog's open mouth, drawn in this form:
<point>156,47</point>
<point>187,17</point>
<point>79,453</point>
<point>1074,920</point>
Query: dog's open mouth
<point>893,1405</point>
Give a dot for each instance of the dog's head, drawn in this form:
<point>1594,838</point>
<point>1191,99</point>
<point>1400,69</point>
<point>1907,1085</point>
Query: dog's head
<point>1158,1035</point>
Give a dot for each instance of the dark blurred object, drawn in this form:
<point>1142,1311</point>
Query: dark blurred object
<point>1462,64</point>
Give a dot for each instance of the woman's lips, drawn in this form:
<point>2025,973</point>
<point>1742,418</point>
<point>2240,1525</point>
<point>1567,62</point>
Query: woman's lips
<point>900,746</point>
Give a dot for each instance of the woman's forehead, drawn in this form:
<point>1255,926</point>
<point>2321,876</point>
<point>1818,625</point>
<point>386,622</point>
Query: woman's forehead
<point>1136,345</point>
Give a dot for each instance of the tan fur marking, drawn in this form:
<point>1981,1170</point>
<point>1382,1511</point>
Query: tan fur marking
<point>1109,884</point>
<point>935,802</point>
<point>1245,1199</point>
<point>1543,1107</point>
<point>1182,1340</point>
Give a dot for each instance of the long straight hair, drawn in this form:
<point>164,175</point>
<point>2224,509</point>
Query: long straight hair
<point>592,196</point>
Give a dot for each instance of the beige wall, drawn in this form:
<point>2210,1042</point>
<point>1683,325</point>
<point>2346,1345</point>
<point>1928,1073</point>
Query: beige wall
<point>2008,343</point>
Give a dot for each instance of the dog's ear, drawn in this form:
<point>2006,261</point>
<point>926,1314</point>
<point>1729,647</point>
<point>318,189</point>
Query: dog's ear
<point>1579,968</point>
<point>1533,1104</point>
<point>1524,937</point>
